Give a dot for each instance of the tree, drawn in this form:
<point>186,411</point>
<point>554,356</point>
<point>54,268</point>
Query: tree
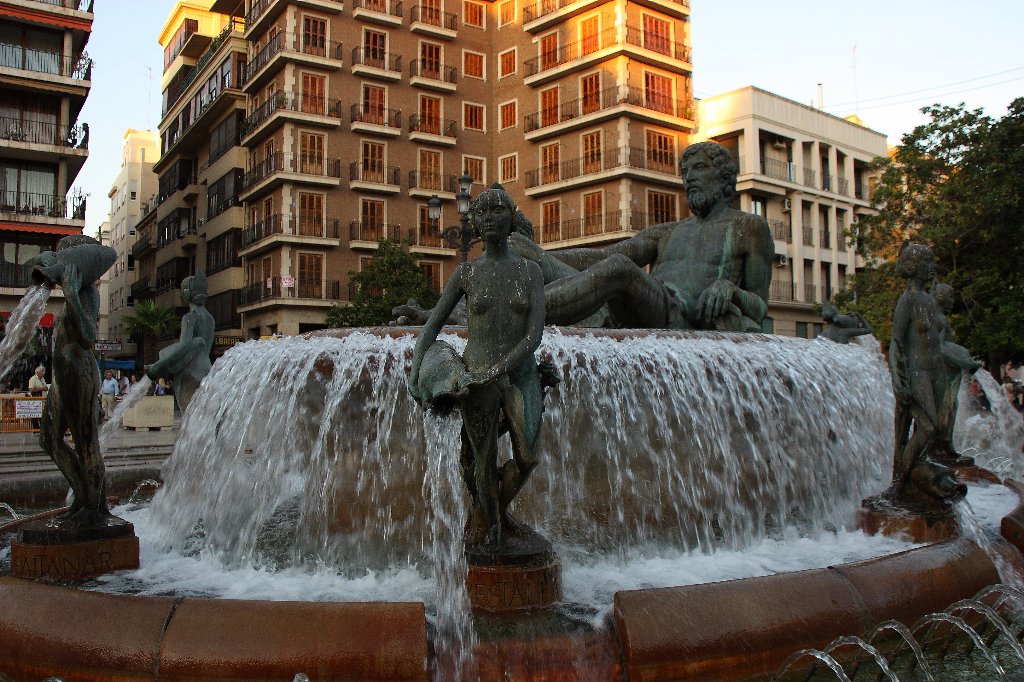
<point>954,184</point>
<point>148,320</point>
<point>391,279</point>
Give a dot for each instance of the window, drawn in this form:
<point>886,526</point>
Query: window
<point>374,104</point>
<point>430,115</point>
<point>549,156</point>
<point>430,169</point>
<point>472,64</point>
<point>661,207</point>
<point>507,63</point>
<point>593,209</point>
<point>432,269</point>
<point>312,154</point>
<point>472,116</point>
<point>222,251</point>
<point>427,232</point>
<point>590,35</point>
<point>375,49</point>
<point>311,214</point>
<point>430,60</point>
<point>550,217</point>
<point>657,34</point>
<point>661,152</point>
<point>549,107</point>
<point>314,94</point>
<point>373,161</point>
<point>590,92</point>
<point>371,215</point>
<point>509,167</point>
<point>549,51</point>
<point>314,36</point>
<point>508,115</point>
<point>506,12</point>
<point>658,92</point>
<point>590,144</point>
<point>29,188</point>
<point>311,274</point>
<point>473,14</point>
<point>222,194</point>
<point>476,168</point>
<point>757,206</point>
<point>801,330</point>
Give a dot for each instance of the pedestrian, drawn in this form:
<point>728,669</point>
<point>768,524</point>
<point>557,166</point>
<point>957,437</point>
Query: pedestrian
<point>37,387</point>
<point>109,391</point>
<point>123,384</point>
<point>161,387</point>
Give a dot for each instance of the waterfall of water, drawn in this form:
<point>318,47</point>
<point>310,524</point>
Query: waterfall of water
<point>686,441</point>
<point>134,394</point>
<point>22,325</point>
<point>971,529</point>
<point>443,487</point>
<point>993,436</point>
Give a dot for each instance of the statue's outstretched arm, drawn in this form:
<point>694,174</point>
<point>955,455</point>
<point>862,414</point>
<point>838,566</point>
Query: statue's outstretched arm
<point>175,357</point>
<point>642,249</point>
<point>453,292</point>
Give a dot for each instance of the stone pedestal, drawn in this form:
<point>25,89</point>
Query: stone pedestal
<point>501,589</point>
<point>891,522</point>
<point>46,549</point>
<point>151,412</point>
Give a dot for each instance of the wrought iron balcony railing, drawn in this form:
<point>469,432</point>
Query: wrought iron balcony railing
<point>362,113</point>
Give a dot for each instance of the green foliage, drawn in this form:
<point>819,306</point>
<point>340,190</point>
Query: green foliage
<point>390,280</point>
<point>149,318</point>
<point>953,183</point>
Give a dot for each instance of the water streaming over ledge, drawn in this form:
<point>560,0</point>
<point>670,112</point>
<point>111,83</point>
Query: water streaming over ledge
<point>22,325</point>
<point>310,451</point>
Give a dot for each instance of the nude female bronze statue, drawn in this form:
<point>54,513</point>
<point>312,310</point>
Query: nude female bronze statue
<point>499,387</point>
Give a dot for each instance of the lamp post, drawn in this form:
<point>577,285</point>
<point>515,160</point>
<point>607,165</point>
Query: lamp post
<point>458,236</point>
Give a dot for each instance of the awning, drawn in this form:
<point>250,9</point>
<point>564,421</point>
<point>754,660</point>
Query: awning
<point>116,364</point>
<point>36,227</point>
<point>61,20</point>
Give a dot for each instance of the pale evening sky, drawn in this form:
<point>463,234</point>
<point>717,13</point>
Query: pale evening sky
<point>909,53</point>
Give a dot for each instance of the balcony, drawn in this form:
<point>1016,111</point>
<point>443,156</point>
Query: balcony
<point>828,183</point>
<point>825,238</point>
<point>810,293</point>
<point>180,225</point>
<point>143,245</point>
<point>32,206</point>
<point>386,12</point>
<point>367,234</point>
<point>434,22</point>
<point>601,166</point>
<point>279,168</point>
<point>810,178</point>
<point>547,13</point>
<point>780,292</point>
<point>74,5</point>
<point>615,224</point>
<point>263,12</point>
<point>289,229</point>
<point>373,176</point>
<point>14,276</point>
<point>298,48</point>
<point>432,76</point>
<point>196,133</point>
<point>15,59</point>
<point>375,63</point>
<point>552,64</point>
<point>291,291</point>
<point>42,141</point>
<point>170,274</point>
<point>281,108</point>
<point>778,170</point>
<point>654,48</point>
<point>431,130</point>
<point>844,186</point>
<point>142,289</point>
<point>780,230</point>
<point>376,120</point>
<point>808,235</point>
<point>606,104</point>
<point>862,191</point>
<point>426,184</point>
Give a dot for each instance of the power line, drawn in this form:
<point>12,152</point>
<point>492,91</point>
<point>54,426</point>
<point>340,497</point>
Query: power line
<point>935,87</point>
<point>928,97</point>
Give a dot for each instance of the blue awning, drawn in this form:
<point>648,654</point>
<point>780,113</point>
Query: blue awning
<point>116,364</point>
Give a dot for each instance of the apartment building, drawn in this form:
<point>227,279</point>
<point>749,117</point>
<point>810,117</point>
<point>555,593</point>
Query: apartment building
<point>134,185</point>
<point>806,172</point>
<point>198,220</point>
<point>358,113</point>
<point>45,77</point>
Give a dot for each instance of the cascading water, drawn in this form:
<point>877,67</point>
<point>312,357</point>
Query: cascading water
<point>134,394</point>
<point>22,325</point>
<point>993,436</point>
<point>687,441</point>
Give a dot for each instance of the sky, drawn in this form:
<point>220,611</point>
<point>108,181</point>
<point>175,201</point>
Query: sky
<point>880,59</point>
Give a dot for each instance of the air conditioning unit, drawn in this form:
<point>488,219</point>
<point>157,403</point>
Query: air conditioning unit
<point>781,260</point>
<point>787,204</point>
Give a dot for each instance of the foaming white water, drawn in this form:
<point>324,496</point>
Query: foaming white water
<point>311,451</point>
<point>22,325</point>
<point>994,437</point>
<point>134,394</point>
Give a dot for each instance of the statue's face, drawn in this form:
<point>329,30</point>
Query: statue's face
<point>492,218</point>
<point>926,268</point>
<point>703,182</point>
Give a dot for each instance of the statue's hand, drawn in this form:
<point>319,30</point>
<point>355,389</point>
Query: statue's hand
<point>714,301</point>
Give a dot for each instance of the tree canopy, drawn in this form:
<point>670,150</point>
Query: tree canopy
<point>148,320</point>
<point>956,184</point>
<point>391,279</point>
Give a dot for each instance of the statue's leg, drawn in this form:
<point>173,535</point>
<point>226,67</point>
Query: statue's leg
<point>481,410</point>
<point>636,298</point>
<point>84,425</point>
<point>51,440</point>
<point>521,402</point>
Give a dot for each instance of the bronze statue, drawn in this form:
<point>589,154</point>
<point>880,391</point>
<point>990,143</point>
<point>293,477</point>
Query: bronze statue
<point>710,271</point>
<point>188,361</point>
<point>499,385</point>
<point>72,401</point>
<point>842,326</point>
<point>957,361</point>
<point>921,383</point>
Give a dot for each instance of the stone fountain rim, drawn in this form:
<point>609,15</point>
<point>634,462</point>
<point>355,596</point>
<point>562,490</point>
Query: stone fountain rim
<point>192,637</point>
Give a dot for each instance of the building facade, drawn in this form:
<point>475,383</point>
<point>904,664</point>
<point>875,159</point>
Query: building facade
<point>806,172</point>
<point>135,184</point>
<point>45,77</point>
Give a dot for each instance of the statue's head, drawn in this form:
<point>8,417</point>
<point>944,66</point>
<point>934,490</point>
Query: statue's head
<point>492,196</point>
<point>916,261</point>
<point>709,176</point>
<point>944,296</point>
<point>195,288</point>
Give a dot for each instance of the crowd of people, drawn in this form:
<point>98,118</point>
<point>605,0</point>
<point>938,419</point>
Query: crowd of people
<point>112,389</point>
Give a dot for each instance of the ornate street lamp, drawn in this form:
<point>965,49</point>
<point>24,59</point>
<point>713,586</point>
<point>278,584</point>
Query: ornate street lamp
<point>458,236</point>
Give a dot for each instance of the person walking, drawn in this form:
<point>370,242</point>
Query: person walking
<point>109,391</point>
<point>37,387</point>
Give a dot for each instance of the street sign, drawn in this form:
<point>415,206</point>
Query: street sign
<point>28,409</point>
<point>104,346</point>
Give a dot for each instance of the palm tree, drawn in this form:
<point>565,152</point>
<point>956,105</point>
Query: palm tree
<point>149,320</point>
